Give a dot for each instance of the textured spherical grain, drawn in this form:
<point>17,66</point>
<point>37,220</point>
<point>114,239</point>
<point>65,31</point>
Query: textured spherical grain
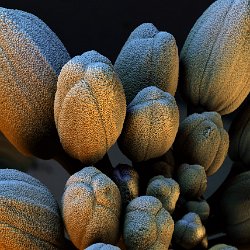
<point>189,231</point>
<point>235,207</point>
<point>215,65</point>
<point>102,246</point>
<point>223,247</point>
<point>29,214</point>
<point>239,134</point>
<point>150,126</point>
<point>199,207</point>
<point>147,224</point>
<point>202,140</point>
<point>167,190</point>
<point>31,57</point>
<point>192,180</point>
<point>91,206</point>
<point>148,57</point>
<point>90,107</point>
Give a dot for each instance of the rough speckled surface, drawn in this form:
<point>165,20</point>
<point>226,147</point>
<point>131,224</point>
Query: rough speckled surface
<point>167,190</point>
<point>147,225</point>
<point>149,57</point>
<point>223,247</point>
<point>90,107</point>
<point>29,214</point>
<point>192,180</point>
<point>189,231</point>
<point>202,140</point>
<point>199,207</point>
<point>215,65</point>
<point>102,246</point>
<point>235,207</point>
<point>31,56</point>
<point>150,126</point>
<point>239,134</point>
<point>91,206</point>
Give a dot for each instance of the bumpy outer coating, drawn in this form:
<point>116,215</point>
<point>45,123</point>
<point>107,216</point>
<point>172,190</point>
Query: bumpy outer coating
<point>200,207</point>
<point>150,126</point>
<point>192,180</point>
<point>31,57</point>
<point>202,140</point>
<point>91,206</point>
<point>147,225</point>
<point>235,208</point>
<point>189,231</point>
<point>223,247</point>
<point>167,190</point>
<point>90,107</point>
<point>29,214</point>
<point>239,134</point>
<point>215,65</point>
<point>102,246</point>
<point>149,57</point>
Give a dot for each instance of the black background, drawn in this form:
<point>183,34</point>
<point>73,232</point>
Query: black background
<point>105,25</point>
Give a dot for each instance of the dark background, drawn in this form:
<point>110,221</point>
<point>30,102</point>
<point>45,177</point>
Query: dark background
<point>104,26</point>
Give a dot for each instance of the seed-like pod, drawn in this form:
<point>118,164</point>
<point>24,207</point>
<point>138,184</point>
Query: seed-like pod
<point>31,57</point>
<point>167,190</point>
<point>192,180</point>
<point>189,231</point>
<point>199,207</point>
<point>30,216</point>
<point>91,206</point>
<point>235,207</point>
<point>239,134</point>
<point>223,247</point>
<point>215,65</point>
<point>90,107</point>
<point>102,246</point>
<point>201,139</point>
<point>150,125</point>
<point>148,57</point>
<point>147,224</point>
<point>127,180</point>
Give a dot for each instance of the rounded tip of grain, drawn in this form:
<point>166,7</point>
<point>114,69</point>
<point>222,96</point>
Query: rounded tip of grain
<point>189,231</point>
<point>202,140</point>
<point>137,71</point>
<point>30,215</point>
<point>167,190</point>
<point>150,125</point>
<point>147,224</point>
<point>91,208</point>
<point>90,107</point>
